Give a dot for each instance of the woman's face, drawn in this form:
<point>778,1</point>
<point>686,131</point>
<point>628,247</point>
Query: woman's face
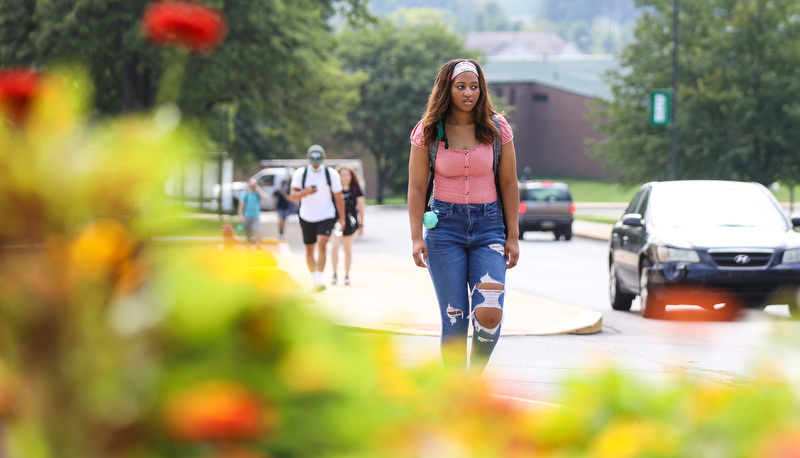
<point>464,91</point>
<point>346,176</point>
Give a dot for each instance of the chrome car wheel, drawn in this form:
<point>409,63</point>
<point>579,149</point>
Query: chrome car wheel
<point>652,306</point>
<point>619,299</point>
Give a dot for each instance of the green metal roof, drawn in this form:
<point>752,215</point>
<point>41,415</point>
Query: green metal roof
<point>576,74</point>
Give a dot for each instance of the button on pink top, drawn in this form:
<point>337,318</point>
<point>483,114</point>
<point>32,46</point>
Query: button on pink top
<point>464,177</point>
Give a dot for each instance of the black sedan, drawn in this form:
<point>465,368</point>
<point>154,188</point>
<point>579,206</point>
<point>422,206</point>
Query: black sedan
<point>707,243</point>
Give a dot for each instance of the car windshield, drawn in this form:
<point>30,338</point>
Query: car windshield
<point>545,194</point>
<point>714,206</point>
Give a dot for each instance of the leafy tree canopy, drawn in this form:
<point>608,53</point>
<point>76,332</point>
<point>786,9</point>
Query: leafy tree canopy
<point>399,58</point>
<point>276,73</point>
<point>738,93</point>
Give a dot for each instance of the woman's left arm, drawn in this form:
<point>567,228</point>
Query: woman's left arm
<point>360,205</point>
<point>509,190</point>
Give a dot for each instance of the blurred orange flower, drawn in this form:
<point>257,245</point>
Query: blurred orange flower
<point>18,86</point>
<point>782,444</point>
<point>196,27</point>
<point>217,410</point>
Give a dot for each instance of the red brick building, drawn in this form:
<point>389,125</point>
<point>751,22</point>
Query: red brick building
<point>548,100</point>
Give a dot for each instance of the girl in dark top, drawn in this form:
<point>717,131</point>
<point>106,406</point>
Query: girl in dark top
<point>283,205</point>
<point>354,221</point>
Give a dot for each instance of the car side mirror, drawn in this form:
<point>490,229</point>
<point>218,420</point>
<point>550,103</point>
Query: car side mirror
<point>796,220</point>
<point>633,219</point>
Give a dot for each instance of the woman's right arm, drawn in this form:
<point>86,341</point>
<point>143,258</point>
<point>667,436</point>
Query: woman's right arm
<point>418,165</point>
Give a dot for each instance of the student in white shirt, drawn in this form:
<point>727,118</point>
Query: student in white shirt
<point>318,188</point>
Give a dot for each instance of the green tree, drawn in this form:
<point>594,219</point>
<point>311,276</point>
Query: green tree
<point>399,58</point>
<point>739,93</point>
<point>276,68</point>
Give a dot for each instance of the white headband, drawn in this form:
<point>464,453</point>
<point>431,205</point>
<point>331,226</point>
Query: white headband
<point>463,66</point>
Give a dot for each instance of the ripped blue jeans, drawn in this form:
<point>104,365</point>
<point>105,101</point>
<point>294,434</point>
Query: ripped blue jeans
<point>465,250</point>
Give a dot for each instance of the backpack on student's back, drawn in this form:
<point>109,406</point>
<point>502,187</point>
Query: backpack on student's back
<point>328,178</point>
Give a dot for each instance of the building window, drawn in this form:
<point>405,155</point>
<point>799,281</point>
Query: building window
<point>511,96</point>
<point>539,97</point>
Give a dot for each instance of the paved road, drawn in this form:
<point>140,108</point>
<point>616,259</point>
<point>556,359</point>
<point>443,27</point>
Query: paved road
<point>574,274</point>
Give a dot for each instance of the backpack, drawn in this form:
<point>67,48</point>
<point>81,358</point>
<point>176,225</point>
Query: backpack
<point>328,178</point>
<point>497,147</point>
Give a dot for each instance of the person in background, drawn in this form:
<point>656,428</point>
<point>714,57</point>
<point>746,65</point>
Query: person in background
<point>250,212</point>
<point>473,202</point>
<point>283,205</point>
<point>353,221</point>
<point>318,188</point>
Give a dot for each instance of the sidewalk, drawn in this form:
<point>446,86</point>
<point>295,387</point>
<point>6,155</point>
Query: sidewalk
<point>394,295</point>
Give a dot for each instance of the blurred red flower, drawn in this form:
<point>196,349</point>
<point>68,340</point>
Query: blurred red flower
<point>18,86</point>
<point>198,28</point>
<point>219,410</point>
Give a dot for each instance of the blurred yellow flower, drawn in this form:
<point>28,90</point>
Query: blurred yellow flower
<point>102,249</point>
<point>707,401</point>
<point>626,437</point>
<point>312,367</point>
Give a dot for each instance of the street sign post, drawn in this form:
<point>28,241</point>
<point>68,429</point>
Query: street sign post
<point>659,108</point>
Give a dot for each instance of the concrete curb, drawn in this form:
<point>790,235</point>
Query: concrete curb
<point>375,302</point>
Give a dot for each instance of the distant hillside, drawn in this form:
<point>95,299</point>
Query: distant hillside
<point>529,11</point>
<point>619,11</point>
<point>590,26</point>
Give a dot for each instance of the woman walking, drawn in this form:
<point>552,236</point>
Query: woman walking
<point>353,221</point>
<point>471,232</point>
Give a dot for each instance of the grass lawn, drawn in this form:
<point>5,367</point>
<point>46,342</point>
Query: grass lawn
<point>583,190</point>
<point>205,224</point>
<point>596,219</point>
<point>588,190</point>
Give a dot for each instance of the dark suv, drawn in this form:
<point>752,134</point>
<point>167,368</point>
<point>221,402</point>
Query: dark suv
<point>546,206</point>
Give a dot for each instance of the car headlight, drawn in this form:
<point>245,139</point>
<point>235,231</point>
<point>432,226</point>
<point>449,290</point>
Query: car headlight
<point>790,256</point>
<point>667,254</point>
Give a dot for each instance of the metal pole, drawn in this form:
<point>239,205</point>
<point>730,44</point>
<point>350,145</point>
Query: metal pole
<point>673,133</point>
<point>201,196</point>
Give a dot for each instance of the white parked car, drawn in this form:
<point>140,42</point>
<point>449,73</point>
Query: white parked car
<point>270,179</point>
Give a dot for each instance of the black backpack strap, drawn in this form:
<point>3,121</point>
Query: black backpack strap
<point>330,188</point>
<point>497,148</point>
<point>433,148</point>
<point>305,172</point>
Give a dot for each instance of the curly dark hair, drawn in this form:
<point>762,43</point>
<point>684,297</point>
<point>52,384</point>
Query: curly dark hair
<point>439,104</point>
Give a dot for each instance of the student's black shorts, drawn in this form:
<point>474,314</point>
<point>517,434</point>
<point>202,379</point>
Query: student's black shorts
<point>311,230</point>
